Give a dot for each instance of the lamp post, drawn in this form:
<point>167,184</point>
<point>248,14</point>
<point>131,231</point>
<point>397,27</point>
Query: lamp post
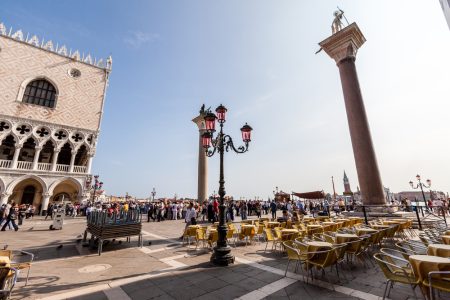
<point>223,142</point>
<point>153,194</point>
<point>421,185</point>
<point>96,186</point>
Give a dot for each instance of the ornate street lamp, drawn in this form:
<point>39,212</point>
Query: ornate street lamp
<point>153,195</point>
<point>223,142</point>
<point>421,185</point>
<point>96,186</point>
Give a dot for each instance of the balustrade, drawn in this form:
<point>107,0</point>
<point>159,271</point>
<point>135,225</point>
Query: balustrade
<point>25,165</point>
<point>5,163</point>
<point>79,169</point>
<point>44,166</point>
<point>28,165</point>
<point>62,168</point>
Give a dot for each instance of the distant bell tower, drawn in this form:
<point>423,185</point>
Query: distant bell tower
<point>348,190</point>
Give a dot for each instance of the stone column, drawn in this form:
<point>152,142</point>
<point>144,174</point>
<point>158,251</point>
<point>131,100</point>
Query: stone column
<point>55,159</point>
<point>37,152</point>
<point>4,198</point>
<point>202,184</point>
<point>342,47</point>
<point>72,160</point>
<point>16,157</point>
<point>45,201</point>
<point>89,163</point>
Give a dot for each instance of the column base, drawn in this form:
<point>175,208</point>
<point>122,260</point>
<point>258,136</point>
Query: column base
<point>222,256</point>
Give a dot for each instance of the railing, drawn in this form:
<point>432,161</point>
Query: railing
<point>62,168</point>
<point>44,167</point>
<point>5,163</point>
<point>79,169</point>
<point>437,213</point>
<point>26,165</point>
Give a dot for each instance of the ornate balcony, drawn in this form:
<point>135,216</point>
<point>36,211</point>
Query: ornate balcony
<point>46,167</point>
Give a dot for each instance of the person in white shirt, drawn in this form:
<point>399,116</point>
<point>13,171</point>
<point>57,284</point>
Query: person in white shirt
<point>191,215</point>
<point>174,211</point>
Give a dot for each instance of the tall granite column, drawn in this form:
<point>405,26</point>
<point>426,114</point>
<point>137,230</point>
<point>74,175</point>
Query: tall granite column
<point>342,47</point>
<point>202,185</point>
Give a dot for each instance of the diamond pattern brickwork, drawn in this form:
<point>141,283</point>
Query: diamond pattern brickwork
<point>79,100</point>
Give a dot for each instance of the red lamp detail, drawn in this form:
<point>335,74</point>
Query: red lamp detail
<point>210,122</point>
<point>428,181</point>
<point>418,177</point>
<point>221,111</point>
<point>246,133</point>
<point>206,140</point>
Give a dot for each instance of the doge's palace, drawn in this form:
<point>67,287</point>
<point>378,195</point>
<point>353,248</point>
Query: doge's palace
<point>51,105</point>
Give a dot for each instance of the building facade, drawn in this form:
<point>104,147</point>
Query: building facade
<point>51,105</point>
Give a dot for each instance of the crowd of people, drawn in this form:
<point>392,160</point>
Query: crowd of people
<point>12,215</point>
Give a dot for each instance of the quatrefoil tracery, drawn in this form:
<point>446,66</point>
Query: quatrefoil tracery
<point>22,129</point>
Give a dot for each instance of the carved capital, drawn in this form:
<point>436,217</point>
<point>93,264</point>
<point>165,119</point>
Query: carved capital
<point>344,43</point>
<point>200,121</point>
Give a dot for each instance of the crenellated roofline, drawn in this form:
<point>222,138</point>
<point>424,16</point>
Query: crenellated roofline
<point>58,50</point>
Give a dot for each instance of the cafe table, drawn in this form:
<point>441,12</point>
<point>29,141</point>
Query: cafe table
<point>248,221</point>
<point>378,226</point>
<point>314,228</point>
<point>5,261</point>
<point>273,224</point>
<point>424,264</point>
<point>446,239</point>
<point>314,246</point>
<point>441,250</point>
<point>247,231</point>
<point>287,233</point>
<point>392,222</point>
<point>345,237</point>
<point>365,230</point>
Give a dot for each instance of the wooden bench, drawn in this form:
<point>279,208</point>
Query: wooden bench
<point>111,231</point>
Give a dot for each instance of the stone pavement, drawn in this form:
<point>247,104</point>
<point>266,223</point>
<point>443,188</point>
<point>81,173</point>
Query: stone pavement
<point>168,270</point>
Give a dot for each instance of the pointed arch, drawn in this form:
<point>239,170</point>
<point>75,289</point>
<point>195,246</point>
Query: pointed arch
<point>13,184</point>
<point>70,179</point>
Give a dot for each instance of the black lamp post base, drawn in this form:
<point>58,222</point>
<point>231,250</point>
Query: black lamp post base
<point>222,256</point>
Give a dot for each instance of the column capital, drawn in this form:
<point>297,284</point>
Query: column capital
<point>38,148</point>
<point>200,121</point>
<point>344,43</point>
<point>18,147</point>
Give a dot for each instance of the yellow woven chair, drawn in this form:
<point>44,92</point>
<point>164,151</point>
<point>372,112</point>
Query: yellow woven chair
<point>22,260</point>
<point>231,236</point>
<point>271,238</point>
<point>8,279</point>
<point>260,231</point>
<point>438,280</point>
<point>293,254</point>
<point>200,236</point>
<point>394,271</point>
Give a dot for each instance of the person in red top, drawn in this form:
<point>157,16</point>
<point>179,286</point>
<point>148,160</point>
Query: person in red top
<point>216,210</point>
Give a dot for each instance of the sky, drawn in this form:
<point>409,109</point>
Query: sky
<point>256,57</point>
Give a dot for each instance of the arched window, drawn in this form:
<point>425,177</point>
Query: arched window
<point>40,92</point>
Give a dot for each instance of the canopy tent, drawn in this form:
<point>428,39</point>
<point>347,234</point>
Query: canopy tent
<point>310,195</point>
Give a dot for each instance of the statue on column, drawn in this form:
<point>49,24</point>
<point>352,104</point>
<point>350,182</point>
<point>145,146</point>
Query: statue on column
<point>337,24</point>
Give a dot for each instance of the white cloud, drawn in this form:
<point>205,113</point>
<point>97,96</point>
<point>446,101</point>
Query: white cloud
<point>137,38</point>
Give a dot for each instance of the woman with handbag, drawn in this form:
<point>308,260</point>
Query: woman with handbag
<point>12,217</point>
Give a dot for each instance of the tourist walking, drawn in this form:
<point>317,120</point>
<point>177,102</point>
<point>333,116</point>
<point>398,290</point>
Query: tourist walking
<point>273,209</point>
<point>12,217</point>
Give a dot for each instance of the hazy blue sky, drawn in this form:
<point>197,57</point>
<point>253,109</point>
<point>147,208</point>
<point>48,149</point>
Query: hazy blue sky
<point>257,58</point>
